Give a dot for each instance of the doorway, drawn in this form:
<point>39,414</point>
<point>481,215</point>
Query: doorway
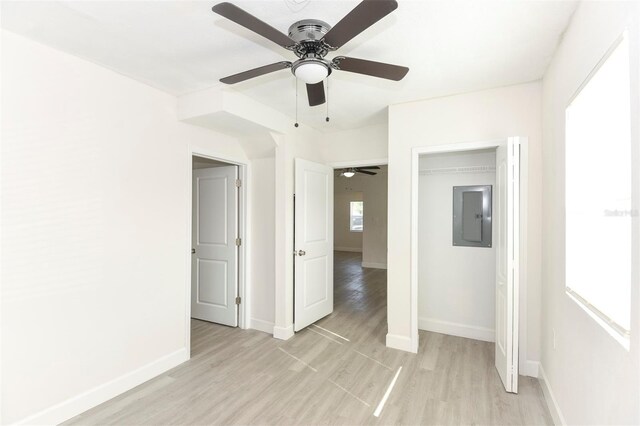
<point>360,245</point>
<point>457,258</point>
<point>465,245</point>
<point>360,213</point>
<point>217,253</point>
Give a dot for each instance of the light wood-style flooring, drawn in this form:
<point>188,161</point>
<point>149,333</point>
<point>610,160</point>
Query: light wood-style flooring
<point>247,377</point>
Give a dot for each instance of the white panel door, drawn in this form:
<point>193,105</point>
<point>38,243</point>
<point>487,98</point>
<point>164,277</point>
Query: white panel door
<point>313,243</point>
<point>214,270</point>
<point>507,254</point>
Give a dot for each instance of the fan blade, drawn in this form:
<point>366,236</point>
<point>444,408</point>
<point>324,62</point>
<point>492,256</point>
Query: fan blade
<point>375,69</point>
<point>365,172</point>
<point>240,17</point>
<point>315,92</point>
<point>246,75</point>
<point>359,19</point>
<point>370,167</point>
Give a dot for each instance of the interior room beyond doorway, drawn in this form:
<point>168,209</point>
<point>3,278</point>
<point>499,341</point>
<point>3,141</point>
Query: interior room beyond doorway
<point>360,213</point>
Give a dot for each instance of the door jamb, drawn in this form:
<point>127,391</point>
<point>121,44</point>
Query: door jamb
<point>521,286</point>
<point>243,251</point>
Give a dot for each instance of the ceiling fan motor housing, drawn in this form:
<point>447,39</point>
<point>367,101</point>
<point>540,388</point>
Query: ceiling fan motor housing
<point>308,30</point>
<point>309,47</point>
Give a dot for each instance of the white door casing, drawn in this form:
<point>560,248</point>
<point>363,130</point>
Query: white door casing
<point>507,255</point>
<point>214,264</point>
<point>313,243</point>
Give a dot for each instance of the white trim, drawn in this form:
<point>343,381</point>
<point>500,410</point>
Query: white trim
<point>465,169</point>
<point>243,259</point>
<point>523,259</point>
<point>349,249</point>
<point>513,150</point>
<point>403,343</point>
<point>283,333</point>
<point>244,309</point>
<point>530,369</point>
<point>87,400</point>
<point>261,325</point>
<point>552,403</point>
<point>457,329</point>
<point>376,265</point>
<point>359,163</point>
<point>618,332</point>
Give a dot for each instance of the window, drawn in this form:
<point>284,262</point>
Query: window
<point>598,210</point>
<point>356,222</point>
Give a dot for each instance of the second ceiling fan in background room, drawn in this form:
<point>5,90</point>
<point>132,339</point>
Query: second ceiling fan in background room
<point>311,40</point>
<point>351,171</point>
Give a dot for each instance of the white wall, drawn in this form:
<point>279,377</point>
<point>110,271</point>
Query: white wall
<point>456,285</point>
<point>343,194</point>
<point>593,379</point>
<point>357,145</point>
<point>374,238</point>
<point>95,169</point>
<point>478,116</point>
<point>263,209</point>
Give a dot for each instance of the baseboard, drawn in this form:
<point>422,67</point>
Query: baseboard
<point>374,265</point>
<point>85,401</point>
<point>530,369</point>
<point>283,333</point>
<point>455,329</point>
<point>260,325</point>
<point>554,408</point>
<point>351,249</point>
<point>402,343</point>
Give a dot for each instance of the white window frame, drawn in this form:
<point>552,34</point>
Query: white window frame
<point>351,229</point>
<point>617,331</point>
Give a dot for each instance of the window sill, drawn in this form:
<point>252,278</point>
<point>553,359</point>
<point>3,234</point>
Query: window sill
<point>622,339</point>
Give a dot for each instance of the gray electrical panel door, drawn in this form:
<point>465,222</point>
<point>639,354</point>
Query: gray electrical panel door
<point>472,216</point>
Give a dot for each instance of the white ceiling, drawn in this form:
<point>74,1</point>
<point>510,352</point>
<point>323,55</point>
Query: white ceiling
<point>450,46</point>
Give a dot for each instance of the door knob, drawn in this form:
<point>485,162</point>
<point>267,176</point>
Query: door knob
<point>301,252</point>
<point>193,251</point>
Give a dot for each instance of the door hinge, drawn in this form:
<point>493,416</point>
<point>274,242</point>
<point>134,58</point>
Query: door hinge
<point>238,183</point>
<point>238,300</point>
<point>238,241</point>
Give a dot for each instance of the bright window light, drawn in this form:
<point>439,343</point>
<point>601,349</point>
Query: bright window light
<point>598,192</point>
<point>356,218</point>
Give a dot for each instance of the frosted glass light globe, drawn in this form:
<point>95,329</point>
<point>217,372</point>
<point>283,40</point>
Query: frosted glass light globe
<point>312,72</point>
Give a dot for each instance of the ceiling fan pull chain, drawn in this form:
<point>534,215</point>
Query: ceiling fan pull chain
<point>296,125</point>
<point>327,100</point>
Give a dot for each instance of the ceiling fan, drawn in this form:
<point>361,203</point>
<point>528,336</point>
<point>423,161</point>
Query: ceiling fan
<point>311,40</point>
<point>351,171</point>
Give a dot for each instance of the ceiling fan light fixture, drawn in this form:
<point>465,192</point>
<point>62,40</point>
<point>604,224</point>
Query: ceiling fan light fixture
<point>348,174</point>
<point>311,71</point>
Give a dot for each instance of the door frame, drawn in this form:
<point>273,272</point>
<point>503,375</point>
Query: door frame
<point>521,285</point>
<point>243,251</point>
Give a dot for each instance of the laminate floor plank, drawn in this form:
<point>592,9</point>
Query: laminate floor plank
<point>317,378</point>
